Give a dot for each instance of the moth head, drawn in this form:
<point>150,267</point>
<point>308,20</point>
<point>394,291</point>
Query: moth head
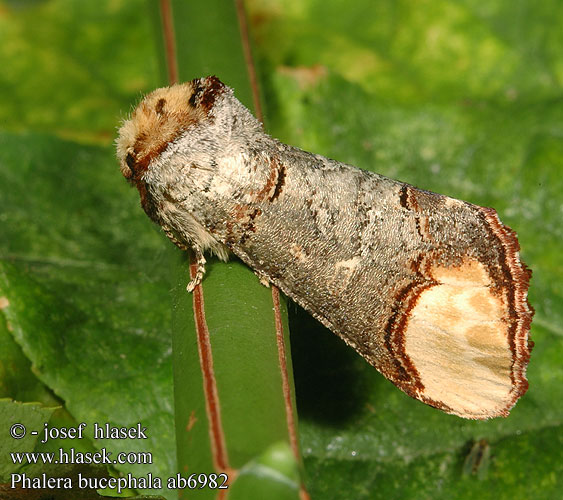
<point>160,118</point>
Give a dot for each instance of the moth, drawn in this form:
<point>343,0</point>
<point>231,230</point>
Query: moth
<point>430,290</point>
<point>478,459</point>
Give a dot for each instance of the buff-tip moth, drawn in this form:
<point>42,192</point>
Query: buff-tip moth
<point>429,289</point>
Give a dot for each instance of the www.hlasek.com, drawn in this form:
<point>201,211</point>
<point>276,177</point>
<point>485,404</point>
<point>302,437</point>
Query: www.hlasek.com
<point>78,457</point>
<point>71,456</point>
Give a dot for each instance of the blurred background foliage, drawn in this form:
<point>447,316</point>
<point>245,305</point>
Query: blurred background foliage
<point>460,97</point>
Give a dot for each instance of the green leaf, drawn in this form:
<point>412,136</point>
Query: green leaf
<point>238,311</point>
<point>274,474</point>
<point>18,421</point>
<point>71,285</point>
<point>74,68</point>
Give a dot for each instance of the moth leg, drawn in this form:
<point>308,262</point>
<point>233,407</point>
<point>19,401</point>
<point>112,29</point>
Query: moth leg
<point>168,232</point>
<point>263,279</point>
<point>200,271</point>
<point>200,259</point>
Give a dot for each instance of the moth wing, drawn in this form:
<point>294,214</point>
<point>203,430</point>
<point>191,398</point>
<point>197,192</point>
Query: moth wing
<point>461,331</point>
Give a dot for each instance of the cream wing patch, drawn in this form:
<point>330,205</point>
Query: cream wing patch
<point>457,337</point>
